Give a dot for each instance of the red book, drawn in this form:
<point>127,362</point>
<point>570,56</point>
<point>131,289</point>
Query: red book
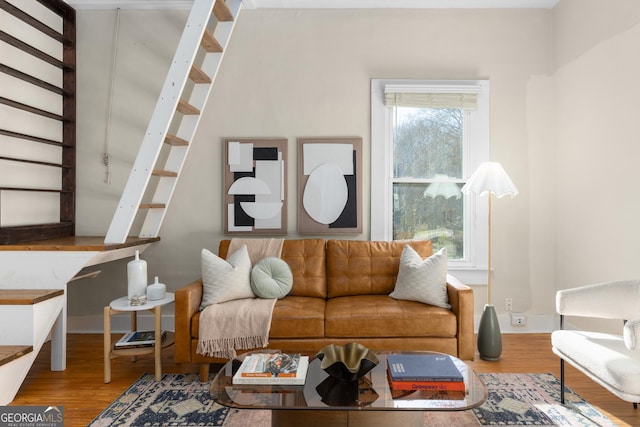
<point>428,385</point>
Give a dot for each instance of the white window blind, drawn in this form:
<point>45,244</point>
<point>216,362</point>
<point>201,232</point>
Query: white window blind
<point>464,101</point>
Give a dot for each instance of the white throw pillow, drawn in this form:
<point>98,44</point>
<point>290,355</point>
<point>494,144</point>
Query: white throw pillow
<point>422,280</point>
<point>225,280</point>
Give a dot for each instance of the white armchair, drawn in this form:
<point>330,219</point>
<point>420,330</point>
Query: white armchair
<point>611,360</point>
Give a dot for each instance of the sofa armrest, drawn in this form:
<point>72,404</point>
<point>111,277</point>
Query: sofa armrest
<point>610,300</point>
<point>188,301</point>
<point>461,300</point>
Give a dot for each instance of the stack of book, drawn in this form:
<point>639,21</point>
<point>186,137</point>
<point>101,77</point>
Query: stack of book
<point>138,339</point>
<point>430,372</point>
<point>272,368</point>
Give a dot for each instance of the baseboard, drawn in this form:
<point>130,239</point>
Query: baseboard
<point>537,323</point>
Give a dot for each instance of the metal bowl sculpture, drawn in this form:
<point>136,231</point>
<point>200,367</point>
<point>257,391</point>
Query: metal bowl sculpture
<point>347,362</point>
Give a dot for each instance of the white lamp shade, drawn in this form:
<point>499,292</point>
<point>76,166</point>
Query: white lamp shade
<point>490,177</point>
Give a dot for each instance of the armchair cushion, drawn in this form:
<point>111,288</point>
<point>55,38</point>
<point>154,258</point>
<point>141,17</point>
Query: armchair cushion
<point>602,357</point>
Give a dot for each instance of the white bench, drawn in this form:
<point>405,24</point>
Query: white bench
<point>611,360</point>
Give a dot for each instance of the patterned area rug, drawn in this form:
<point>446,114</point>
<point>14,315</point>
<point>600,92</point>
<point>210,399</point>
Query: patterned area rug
<point>514,400</point>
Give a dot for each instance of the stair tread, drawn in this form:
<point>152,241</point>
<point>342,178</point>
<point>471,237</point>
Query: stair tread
<point>222,11</point>
<point>187,109</point>
<point>175,140</point>
<point>27,296</point>
<point>13,352</point>
<point>209,43</point>
<point>77,243</point>
<point>160,172</point>
<point>198,76</point>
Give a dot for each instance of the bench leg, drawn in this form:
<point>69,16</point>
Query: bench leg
<point>635,405</point>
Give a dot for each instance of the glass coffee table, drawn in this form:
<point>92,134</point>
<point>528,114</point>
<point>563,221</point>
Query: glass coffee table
<point>324,402</point>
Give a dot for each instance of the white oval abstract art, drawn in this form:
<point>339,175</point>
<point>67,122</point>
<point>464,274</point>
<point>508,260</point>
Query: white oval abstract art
<point>325,194</point>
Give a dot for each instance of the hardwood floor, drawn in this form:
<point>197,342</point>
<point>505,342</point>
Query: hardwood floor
<point>81,390</point>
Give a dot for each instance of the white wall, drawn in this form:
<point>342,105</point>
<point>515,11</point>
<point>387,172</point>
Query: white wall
<point>596,157</point>
<point>302,73</point>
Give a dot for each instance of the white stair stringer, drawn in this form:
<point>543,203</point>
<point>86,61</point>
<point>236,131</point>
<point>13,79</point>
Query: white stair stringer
<point>41,270</point>
<point>200,23</point>
<point>25,325</point>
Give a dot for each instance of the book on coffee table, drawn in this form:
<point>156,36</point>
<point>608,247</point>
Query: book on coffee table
<point>423,368</point>
<point>272,368</point>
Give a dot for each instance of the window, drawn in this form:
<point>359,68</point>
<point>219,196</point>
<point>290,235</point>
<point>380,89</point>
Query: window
<point>428,137</point>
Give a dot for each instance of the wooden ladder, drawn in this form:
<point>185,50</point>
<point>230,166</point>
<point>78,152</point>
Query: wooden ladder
<point>175,118</point>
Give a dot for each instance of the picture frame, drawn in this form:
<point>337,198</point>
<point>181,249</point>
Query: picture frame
<point>330,185</point>
<point>255,186</point>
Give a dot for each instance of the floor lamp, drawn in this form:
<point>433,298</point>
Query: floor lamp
<point>490,178</point>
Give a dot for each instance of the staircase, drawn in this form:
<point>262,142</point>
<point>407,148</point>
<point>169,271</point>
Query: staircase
<point>39,310</point>
<point>175,118</point>
<point>34,275</point>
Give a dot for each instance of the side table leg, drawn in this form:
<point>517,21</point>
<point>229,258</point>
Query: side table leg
<point>158,341</point>
<point>134,327</point>
<point>107,345</point>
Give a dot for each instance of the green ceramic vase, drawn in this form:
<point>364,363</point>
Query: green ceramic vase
<point>489,337</point>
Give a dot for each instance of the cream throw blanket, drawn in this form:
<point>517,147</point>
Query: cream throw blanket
<point>239,324</point>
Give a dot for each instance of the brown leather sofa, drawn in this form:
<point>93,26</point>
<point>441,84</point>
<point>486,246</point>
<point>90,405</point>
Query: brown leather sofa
<point>340,294</point>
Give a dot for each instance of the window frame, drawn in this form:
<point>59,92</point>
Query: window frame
<point>472,268</point>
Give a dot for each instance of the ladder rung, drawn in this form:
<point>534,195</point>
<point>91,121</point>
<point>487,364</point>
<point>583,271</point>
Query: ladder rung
<point>209,43</point>
<point>160,172</point>
<point>153,206</point>
<point>222,12</point>
<point>198,76</point>
<point>187,109</point>
<point>174,140</point>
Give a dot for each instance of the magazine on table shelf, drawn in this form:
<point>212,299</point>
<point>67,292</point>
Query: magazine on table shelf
<point>139,339</point>
<point>272,368</point>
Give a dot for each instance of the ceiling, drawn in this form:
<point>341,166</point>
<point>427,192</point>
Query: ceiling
<point>324,4</point>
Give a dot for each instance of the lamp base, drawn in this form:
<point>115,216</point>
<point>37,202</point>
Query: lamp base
<point>489,337</point>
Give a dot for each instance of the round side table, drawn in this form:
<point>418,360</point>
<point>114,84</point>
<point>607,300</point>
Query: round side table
<point>121,305</point>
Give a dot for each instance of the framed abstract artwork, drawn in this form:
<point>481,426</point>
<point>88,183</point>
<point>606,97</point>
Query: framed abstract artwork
<point>330,185</point>
<point>255,190</point>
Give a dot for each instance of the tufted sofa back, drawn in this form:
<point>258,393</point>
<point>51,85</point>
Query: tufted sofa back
<point>307,260</point>
<point>337,268</point>
<point>358,267</point>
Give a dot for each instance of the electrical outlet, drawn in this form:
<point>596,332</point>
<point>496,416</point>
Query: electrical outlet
<point>518,319</point>
<point>508,304</point>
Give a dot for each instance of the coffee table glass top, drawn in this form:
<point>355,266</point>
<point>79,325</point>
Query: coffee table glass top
<point>320,391</point>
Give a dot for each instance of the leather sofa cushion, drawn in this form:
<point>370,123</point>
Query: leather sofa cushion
<point>298,317</point>
<point>358,267</point>
<point>383,316</point>
<point>307,259</point>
